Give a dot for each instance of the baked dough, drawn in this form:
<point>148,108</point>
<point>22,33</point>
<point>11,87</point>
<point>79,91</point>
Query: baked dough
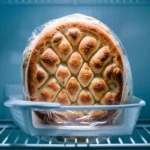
<point>76,60</point>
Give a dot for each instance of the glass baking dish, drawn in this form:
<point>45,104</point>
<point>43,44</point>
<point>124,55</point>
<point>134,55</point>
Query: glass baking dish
<point>25,118</point>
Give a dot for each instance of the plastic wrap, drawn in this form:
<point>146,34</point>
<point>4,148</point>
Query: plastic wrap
<point>76,117</point>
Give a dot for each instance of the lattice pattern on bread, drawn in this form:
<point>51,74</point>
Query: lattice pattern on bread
<point>76,63</point>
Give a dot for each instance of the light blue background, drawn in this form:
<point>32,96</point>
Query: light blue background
<point>130,22</point>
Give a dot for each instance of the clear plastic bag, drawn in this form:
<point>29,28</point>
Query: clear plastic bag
<point>77,117</point>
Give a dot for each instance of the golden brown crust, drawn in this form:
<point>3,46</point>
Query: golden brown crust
<point>79,55</point>
<point>63,75</point>
<point>64,49</point>
<point>98,88</point>
<point>63,98</point>
<point>46,95</point>
<point>100,60</point>
<point>87,27</point>
<point>41,76</point>
<point>57,38</point>
<point>49,91</point>
<point>74,33</point>
<point>73,88</point>
<point>61,46</point>
<point>108,99</point>
<point>50,60</point>
<point>31,75</point>
<point>87,47</point>
<point>85,76</point>
<point>85,98</point>
<point>75,62</point>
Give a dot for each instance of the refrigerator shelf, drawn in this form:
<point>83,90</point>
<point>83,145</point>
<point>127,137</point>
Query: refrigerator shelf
<point>12,137</point>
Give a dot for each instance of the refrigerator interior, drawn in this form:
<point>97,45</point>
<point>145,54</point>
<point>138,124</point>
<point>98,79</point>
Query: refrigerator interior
<point>130,21</point>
